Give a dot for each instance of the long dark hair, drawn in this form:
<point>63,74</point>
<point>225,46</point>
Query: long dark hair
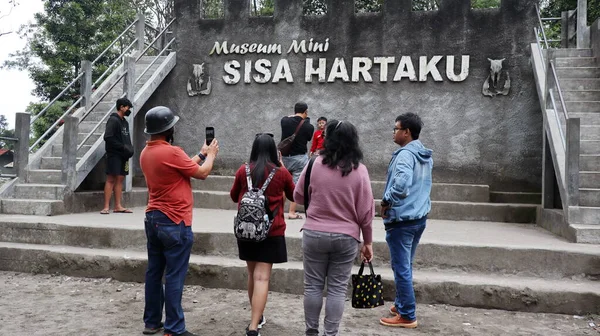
<point>341,146</point>
<point>262,158</point>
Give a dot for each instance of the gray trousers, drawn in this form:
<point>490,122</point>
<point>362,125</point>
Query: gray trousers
<point>328,258</point>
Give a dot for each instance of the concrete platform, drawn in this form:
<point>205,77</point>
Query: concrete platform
<point>478,264</point>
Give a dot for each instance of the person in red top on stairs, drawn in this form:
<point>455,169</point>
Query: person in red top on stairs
<point>260,256</point>
<point>318,138</point>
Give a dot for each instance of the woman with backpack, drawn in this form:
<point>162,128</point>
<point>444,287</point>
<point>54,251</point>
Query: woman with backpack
<point>340,207</point>
<point>265,168</point>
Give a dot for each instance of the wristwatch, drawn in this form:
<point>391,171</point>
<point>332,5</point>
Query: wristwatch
<point>201,156</point>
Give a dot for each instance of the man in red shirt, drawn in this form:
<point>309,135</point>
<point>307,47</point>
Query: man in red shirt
<point>168,170</point>
<point>318,139</point>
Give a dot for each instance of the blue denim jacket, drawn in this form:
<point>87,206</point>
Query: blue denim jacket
<point>408,184</point>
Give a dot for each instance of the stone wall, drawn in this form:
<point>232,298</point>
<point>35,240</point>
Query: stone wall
<point>475,138</point>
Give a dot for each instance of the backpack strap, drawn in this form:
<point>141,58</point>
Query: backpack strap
<point>248,177</point>
<point>267,181</point>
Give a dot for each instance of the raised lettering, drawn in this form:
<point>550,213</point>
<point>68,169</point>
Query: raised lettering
<point>464,69</point>
<point>320,71</point>
<point>219,48</point>
<point>338,70</point>
<point>406,69</point>
<point>430,67</point>
<point>231,67</point>
<point>262,67</point>
<point>383,64</point>
<point>361,66</point>
<point>283,71</point>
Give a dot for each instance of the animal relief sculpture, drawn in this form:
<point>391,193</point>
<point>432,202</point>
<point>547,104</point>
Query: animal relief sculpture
<point>494,84</point>
<point>199,82</point>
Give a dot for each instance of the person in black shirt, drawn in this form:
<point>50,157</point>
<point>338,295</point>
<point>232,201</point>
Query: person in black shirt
<point>118,151</point>
<point>296,159</point>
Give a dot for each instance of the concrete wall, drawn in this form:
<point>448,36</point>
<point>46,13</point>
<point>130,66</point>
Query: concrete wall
<point>476,139</point>
<point>595,39</point>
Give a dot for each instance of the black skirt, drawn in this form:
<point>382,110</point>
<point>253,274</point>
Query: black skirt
<point>271,250</point>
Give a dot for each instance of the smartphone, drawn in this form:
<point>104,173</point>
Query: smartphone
<point>210,135</point>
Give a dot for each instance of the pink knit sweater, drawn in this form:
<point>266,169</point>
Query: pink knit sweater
<point>338,204</point>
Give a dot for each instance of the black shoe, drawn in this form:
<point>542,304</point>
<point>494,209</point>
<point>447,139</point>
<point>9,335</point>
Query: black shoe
<point>262,322</point>
<point>252,333</point>
<point>152,331</point>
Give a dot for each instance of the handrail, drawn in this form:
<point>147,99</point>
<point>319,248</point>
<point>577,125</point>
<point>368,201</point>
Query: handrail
<point>560,95</point>
<point>55,123</point>
<point>562,135</point>
<point>154,60</point>
<point>115,41</point>
<point>114,63</point>
<point>99,100</point>
<point>154,41</point>
<point>537,11</point>
<point>55,99</point>
<point>107,112</point>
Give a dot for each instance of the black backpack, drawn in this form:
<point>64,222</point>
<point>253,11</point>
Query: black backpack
<point>252,222</point>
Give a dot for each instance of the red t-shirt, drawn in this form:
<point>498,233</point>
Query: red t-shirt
<point>317,141</point>
<point>168,170</point>
<point>281,183</point>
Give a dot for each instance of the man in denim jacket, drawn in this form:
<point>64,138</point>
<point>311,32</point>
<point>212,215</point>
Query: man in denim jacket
<point>404,209</point>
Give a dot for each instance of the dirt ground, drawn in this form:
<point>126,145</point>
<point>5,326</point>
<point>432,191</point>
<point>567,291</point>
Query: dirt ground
<point>61,305</point>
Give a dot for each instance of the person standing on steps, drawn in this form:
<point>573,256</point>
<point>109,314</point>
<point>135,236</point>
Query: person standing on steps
<point>404,208</point>
<point>318,139</point>
<point>296,158</point>
<point>118,152</point>
<point>168,223</point>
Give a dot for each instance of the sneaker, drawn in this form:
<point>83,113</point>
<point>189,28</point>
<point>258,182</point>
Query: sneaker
<point>186,333</point>
<point>252,333</point>
<point>152,331</point>
<point>393,310</point>
<point>262,322</point>
<point>398,321</point>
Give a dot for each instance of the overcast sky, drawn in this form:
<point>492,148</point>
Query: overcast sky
<point>15,86</point>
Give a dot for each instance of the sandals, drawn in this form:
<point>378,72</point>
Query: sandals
<point>123,211</point>
<point>297,216</point>
<point>104,212</point>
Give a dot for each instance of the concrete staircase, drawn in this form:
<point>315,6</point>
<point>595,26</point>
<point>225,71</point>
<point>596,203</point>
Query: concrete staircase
<point>477,264</point>
<point>579,76</point>
<point>449,201</point>
<point>43,193</point>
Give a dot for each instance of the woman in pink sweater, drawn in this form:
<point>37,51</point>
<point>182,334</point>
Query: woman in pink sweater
<point>340,208</point>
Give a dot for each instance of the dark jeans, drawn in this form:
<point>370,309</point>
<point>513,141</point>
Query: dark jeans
<point>402,241</point>
<point>169,246</point>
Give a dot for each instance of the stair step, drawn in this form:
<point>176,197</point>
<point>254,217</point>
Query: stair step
<point>589,162</point>
<point>45,176</point>
<point>588,95</point>
<point>589,179</point>
<point>581,106</point>
<point>587,234</point>
<point>575,62</point>
<point>57,150</point>
<point>52,162</point>
<point>586,118</point>
<point>590,147</point>
<point>589,197</point>
<point>439,191</point>
<point>515,197</point>
<point>579,84</point>
<point>571,52</point>
<point>584,215</point>
<point>578,72</point>
<point>457,288</point>
<point>32,207</point>
<point>88,126</point>
<point>39,191</point>
<point>96,117</point>
<point>590,132</point>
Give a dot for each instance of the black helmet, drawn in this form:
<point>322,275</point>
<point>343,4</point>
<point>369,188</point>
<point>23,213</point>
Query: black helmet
<point>160,119</point>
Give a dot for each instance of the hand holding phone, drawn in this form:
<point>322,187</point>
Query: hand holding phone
<point>210,135</point>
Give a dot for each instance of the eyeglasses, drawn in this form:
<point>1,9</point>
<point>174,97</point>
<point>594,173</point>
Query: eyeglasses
<point>399,128</point>
<point>269,134</point>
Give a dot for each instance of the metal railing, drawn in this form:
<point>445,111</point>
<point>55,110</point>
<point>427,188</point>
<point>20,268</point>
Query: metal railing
<point>141,54</point>
<point>93,86</point>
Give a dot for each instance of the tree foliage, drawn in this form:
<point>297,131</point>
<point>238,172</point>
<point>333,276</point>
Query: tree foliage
<point>5,132</point>
<point>64,34</point>
<point>554,8</point>
<point>43,123</point>
<point>11,5</point>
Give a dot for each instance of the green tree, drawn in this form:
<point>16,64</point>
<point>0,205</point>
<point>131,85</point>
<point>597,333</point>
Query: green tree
<point>64,34</point>
<point>554,8</point>
<point>43,123</point>
<point>485,3</point>
<point>6,132</point>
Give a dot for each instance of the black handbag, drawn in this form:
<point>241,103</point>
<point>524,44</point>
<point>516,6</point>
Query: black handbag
<point>367,290</point>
